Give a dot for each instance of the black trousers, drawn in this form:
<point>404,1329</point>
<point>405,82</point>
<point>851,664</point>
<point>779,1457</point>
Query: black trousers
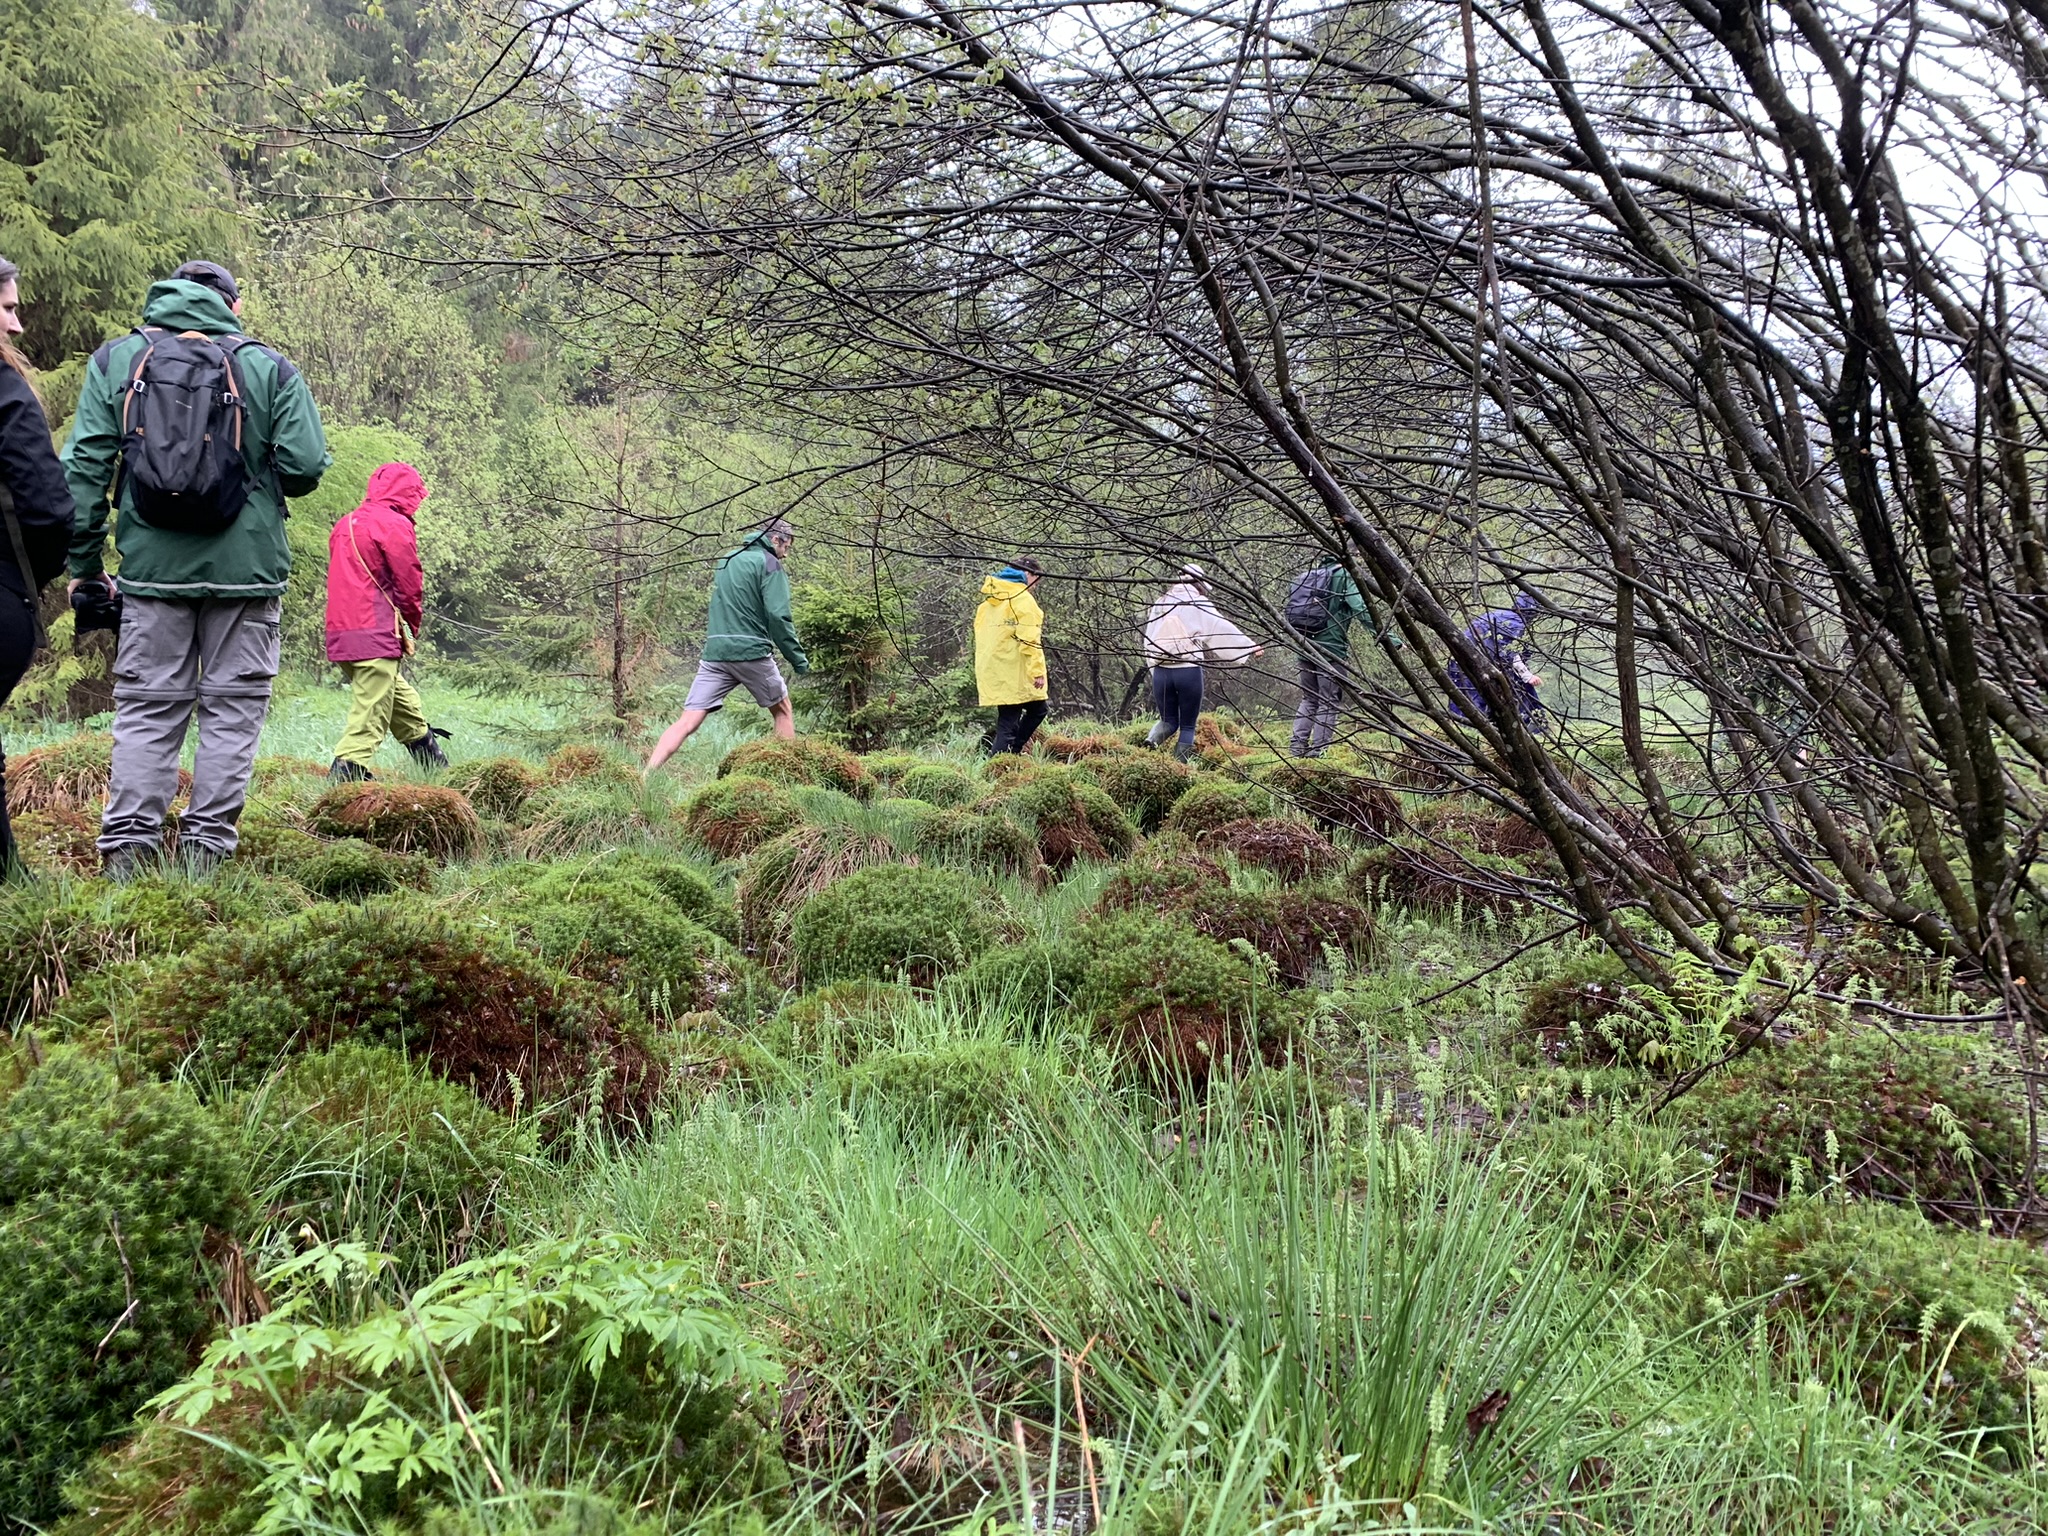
<point>17,649</point>
<point>1015,726</point>
<point>1177,691</point>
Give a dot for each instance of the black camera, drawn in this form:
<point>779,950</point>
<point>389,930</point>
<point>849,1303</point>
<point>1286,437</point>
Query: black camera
<point>95,605</point>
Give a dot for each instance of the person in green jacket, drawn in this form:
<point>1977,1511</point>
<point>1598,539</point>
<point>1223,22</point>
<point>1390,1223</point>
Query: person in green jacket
<point>199,610</point>
<point>749,621</point>
<point>1320,608</point>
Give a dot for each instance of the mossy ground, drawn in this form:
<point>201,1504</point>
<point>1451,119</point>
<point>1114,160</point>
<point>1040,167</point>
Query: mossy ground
<point>957,1086</point>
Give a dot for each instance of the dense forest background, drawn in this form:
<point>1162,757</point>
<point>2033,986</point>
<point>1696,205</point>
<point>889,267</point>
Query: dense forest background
<point>576,506</point>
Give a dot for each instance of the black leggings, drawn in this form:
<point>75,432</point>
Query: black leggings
<point>1178,693</point>
<point>1015,726</point>
<point>17,649</point>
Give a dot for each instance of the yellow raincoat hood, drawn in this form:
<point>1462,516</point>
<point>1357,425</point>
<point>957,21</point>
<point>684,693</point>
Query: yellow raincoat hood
<point>1009,664</point>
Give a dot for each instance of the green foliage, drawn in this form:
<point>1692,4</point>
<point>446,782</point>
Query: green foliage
<point>498,787</point>
<point>54,935</point>
<point>604,923</point>
<point>991,844</point>
<point>805,760</point>
<point>362,1145</point>
<point>586,815</point>
<point>1567,1013</point>
<point>405,818</point>
<point>687,886</point>
<point>1145,784</point>
<point>109,1195</point>
<point>477,1007</point>
<point>1031,981</point>
<point>887,920</point>
<point>734,816</point>
<point>1212,802</point>
<point>784,874</point>
<point>1925,1315</point>
<point>336,1427</point>
<point>1335,798</point>
<point>1298,932</point>
<point>353,870</point>
<point>840,1022</point>
<point>1906,1113</point>
<point>1178,1002</point>
<point>103,189</point>
<point>957,1088</point>
<point>940,784</point>
<point>1071,818</point>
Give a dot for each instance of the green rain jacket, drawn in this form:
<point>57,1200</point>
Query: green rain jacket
<point>750,608</point>
<point>284,446</point>
<point>1346,604</point>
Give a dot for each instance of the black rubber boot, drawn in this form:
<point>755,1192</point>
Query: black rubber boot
<point>427,750</point>
<point>130,861</point>
<point>342,771</point>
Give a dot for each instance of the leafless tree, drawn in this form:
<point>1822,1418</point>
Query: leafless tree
<point>1716,325</point>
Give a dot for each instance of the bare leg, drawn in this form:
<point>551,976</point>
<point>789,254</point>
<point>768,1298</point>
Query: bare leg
<point>783,717</point>
<point>672,738</point>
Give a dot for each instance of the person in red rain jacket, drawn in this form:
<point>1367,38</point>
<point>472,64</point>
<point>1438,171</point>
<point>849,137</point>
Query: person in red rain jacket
<point>376,595</point>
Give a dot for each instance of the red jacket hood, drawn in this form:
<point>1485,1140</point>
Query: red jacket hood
<point>395,486</point>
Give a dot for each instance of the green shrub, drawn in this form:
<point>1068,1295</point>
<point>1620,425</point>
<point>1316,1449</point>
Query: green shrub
<point>109,1195</point>
<point>1411,872</point>
<point>781,876</point>
<point>889,768</point>
<point>361,1144</point>
<point>586,816</point>
<point>1295,930</point>
<point>841,1022</point>
<point>474,1005</point>
<point>1574,1015</point>
<point>805,760</point>
<point>1033,980</point>
<point>353,870</point>
<point>53,936</point>
<point>684,884</point>
<point>992,844</point>
<point>582,763</point>
<point>1179,1003</point>
<point>1905,1113</point>
<point>405,818</point>
<point>608,926</point>
<point>1068,817</point>
<point>888,920</point>
<point>1211,802</point>
<point>273,840</point>
<point>1145,784</point>
<point>1946,1318</point>
<point>940,784</point>
<point>959,1088</point>
<point>629,1366</point>
<point>734,816</point>
<point>498,787</point>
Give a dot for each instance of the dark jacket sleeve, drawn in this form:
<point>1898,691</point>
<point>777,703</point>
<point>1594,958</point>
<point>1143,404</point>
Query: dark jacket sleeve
<point>88,460</point>
<point>296,436</point>
<point>28,463</point>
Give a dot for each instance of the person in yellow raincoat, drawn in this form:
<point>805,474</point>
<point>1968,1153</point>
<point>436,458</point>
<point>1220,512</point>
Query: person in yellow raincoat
<point>1009,664</point>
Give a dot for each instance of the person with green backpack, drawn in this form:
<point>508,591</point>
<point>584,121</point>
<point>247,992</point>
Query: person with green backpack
<point>191,435</point>
<point>1321,603</point>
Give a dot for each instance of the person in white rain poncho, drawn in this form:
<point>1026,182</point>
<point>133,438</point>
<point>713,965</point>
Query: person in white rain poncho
<point>1183,634</point>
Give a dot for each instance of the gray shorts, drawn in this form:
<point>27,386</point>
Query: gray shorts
<point>715,679</point>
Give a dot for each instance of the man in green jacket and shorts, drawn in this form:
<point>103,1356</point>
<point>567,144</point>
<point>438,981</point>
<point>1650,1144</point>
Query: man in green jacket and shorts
<point>748,623</point>
<point>199,609</point>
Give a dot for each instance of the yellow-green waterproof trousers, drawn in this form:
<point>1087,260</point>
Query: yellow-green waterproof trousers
<point>380,701</point>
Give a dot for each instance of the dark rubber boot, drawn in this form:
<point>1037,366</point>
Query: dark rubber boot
<point>128,862</point>
<point>427,750</point>
<point>342,771</point>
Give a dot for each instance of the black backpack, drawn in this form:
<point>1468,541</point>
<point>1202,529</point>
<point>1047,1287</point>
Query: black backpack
<point>1310,600</point>
<point>183,420</point>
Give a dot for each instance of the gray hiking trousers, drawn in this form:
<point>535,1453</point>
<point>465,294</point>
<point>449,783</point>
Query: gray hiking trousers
<point>1315,720</point>
<point>213,657</point>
